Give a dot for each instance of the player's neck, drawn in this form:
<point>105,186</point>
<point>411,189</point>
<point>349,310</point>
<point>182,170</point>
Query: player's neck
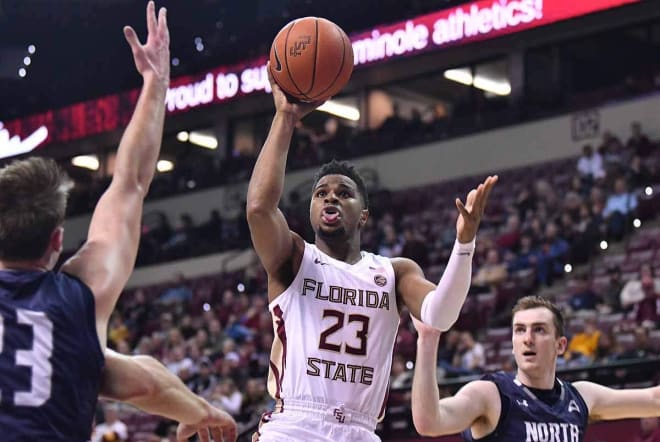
<point>342,250</point>
<point>542,381</point>
<point>23,265</point>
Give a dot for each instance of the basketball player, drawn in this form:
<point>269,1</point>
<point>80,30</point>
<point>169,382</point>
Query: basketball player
<point>335,308</point>
<point>53,325</point>
<point>532,404</point>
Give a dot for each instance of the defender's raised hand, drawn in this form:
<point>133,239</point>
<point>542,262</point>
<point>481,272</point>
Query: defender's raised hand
<point>471,212</point>
<point>153,57</point>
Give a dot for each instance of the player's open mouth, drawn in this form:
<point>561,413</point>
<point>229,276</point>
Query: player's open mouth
<point>330,215</point>
<point>529,353</point>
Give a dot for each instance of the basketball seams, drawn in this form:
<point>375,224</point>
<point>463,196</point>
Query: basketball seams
<point>316,54</point>
<point>341,67</point>
<point>286,61</point>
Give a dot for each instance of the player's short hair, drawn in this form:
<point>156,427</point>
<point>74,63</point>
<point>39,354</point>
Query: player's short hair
<point>530,302</point>
<point>347,169</point>
<point>33,196</point>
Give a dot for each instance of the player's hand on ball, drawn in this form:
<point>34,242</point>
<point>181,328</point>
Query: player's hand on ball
<point>282,104</point>
<point>470,213</point>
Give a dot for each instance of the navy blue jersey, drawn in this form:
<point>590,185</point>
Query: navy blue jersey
<point>525,418</point>
<point>50,357</point>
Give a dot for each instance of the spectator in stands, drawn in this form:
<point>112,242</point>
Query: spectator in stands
<point>414,247</point>
<point>400,377</point>
<point>391,244</point>
<point>619,209</point>
<point>583,297</point>
<point>204,381</point>
<point>552,256</point>
<point>638,143</point>
<point>470,355</point>
<point>179,363</point>
<point>611,150</point>
<point>639,348</point>
<point>227,397</point>
<point>635,290</point>
<point>649,430</point>
<point>612,293</point>
<point>583,345</point>
<point>255,401</point>
<point>178,293</point>
<point>590,166</point>
<point>509,236</point>
<point>112,429</point>
<point>526,256</point>
<point>490,274</point>
<point>447,353</point>
<point>638,174</point>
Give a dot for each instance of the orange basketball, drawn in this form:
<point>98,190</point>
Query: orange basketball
<point>311,59</point>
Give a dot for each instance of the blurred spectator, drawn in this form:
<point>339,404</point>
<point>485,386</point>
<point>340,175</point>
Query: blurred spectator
<point>638,174</point>
<point>590,165</point>
<point>552,256</point>
<point>619,210</point>
<point>204,381</point>
<point>414,247</point>
<point>583,345</point>
<point>255,401</point>
<point>635,290</point>
<point>227,397</point>
<point>400,377</point>
<point>612,293</point>
<point>470,356</point>
<point>179,292</point>
<point>491,273</point>
<point>638,143</point>
<point>112,429</point>
<point>583,297</point>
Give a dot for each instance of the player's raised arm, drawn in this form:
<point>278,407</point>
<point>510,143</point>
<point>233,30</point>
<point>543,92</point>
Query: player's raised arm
<point>271,237</point>
<point>439,306</point>
<point>606,403</point>
<point>476,403</point>
<point>106,260</point>
<point>145,383</point>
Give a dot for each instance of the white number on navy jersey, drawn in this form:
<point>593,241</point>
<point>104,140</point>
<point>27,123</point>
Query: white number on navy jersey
<point>38,358</point>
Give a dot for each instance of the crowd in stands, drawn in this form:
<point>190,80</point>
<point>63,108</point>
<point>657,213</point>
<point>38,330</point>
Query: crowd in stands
<point>215,332</point>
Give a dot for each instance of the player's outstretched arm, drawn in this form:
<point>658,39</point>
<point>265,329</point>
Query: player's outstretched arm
<point>271,237</point>
<point>477,401</point>
<point>606,403</point>
<point>146,384</point>
<point>439,306</point>
<point>106,260</point>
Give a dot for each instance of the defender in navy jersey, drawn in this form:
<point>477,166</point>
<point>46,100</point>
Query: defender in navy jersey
<point>53,325</point>
<point>531,405</point>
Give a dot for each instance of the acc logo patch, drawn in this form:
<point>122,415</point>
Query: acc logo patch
<point>380,280</point>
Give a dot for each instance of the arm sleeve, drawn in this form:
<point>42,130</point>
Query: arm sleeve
<point>441,307</point>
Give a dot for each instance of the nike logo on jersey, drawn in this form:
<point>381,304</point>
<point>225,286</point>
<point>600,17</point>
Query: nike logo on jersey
<point>318,261</point>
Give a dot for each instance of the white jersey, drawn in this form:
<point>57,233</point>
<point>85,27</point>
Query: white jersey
<point>335,328</point>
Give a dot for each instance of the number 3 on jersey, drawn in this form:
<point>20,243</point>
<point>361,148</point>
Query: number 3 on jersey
<point>38,358</point>
<point>361,334</point>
